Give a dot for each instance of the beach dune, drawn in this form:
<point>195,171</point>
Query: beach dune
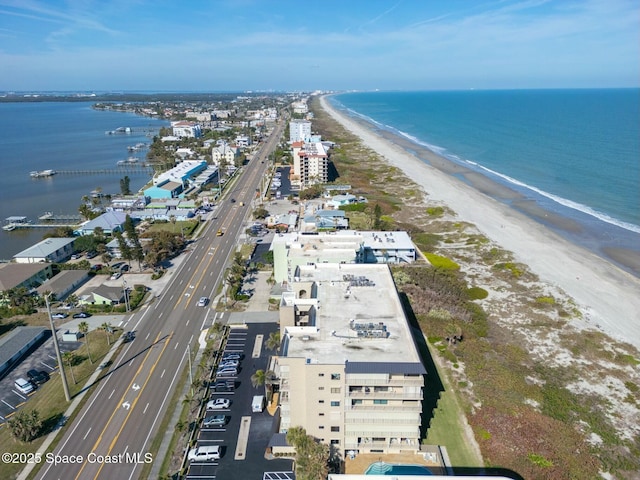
<point>607,296</point>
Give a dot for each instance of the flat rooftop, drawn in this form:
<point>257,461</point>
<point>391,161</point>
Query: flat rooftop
<point>359,317</point>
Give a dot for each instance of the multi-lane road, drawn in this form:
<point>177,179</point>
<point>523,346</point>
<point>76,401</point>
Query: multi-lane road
<point>112,435</point>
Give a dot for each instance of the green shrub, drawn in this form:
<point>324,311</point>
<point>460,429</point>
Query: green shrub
<point>546,300</point>
<point>435,211</point>
<point>439,261</point>
<point>539,460</point>
<point>477,293</point>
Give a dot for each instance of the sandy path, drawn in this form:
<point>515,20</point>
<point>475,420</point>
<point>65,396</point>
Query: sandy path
<point>608,296</point>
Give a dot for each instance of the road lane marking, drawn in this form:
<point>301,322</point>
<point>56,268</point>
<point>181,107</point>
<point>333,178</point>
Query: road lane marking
<point>177,343</point>
<point>117,409</point>
<point>114,391</point>
<point>145,408</point>
<point>162,374</point>
<point>135,400</point>
<point>86,434</point>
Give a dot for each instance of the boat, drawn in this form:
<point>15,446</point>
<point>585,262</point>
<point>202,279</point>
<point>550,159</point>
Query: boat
<point>15,222</point>
<point>42,173</point>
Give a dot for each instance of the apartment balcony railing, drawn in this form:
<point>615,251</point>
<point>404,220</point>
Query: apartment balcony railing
<point>409,443</point>
<point>385,408</point>
<point>371,393</point>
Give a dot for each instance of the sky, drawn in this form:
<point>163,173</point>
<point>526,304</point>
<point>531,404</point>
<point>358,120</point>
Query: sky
<point>239,45</point>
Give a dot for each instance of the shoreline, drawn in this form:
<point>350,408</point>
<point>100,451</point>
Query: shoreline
<point>606,294</point>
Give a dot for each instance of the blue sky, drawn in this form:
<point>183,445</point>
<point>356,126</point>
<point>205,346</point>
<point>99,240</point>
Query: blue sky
<point>213,45</point>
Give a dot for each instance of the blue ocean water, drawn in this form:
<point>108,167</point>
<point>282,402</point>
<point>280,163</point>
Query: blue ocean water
<point>61,136</point>
<point>576,152</point>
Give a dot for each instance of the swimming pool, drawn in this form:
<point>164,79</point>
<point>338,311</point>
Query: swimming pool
<point>382,468</point>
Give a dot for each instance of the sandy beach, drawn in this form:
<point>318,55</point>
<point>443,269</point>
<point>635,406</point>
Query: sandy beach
<point>607,296</point>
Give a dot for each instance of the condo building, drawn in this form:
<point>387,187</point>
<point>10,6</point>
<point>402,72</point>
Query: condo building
<point>299,131</point>
<point>348,369</point>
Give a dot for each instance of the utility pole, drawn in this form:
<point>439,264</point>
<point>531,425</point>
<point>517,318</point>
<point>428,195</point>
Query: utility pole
<point>65,386</point>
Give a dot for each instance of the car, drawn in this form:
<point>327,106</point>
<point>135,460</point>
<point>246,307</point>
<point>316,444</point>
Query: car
<point>219,233</point>
<point>204,453</point>
<point>76,256</point>
<point>203,301</point>
<point>223,385</point>
<point>218,404</point>
<point>92,254</point>
<point>115,276</point>
<point>227,372</point>
<point>233,200</point>
<point>229,363</point>
<point>59,315</point>
<point>96,267</point>
<point>231,356</point>
<point>24,385</point>
<point>37,377</point>
<point>128,337</point>
<point>214,421</point>
<point>81,315</point>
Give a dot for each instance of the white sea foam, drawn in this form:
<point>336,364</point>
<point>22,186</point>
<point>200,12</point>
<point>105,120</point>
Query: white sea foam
<point>564,201</point>
<point>560,200</point>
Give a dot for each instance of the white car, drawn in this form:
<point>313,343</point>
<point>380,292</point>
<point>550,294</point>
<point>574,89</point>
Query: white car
<point>228,363</point>
<point>116,276</point>
<point>204,453</point>
<point>25,386</point>
<point>218,404</point>
<point>203,302</point>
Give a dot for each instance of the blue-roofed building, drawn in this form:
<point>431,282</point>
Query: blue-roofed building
<point>110,222</point>
<point>172,183</point>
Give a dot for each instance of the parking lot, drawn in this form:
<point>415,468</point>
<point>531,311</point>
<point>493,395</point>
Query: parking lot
<point>244,438</point>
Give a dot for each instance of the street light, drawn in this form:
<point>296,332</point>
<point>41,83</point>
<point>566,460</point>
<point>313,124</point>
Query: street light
<point>126,297</point>
<point>65,386</point>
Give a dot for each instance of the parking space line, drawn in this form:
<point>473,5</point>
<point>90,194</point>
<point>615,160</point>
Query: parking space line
<point>24,398</point>
<point>10,406</point>
<point>47,365</point>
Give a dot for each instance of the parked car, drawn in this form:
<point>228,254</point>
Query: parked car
<point>214,421</point>
<point>204,453</point>
<point>81,315</point>
<point>223,386</point>
<point>24,385</point>
<point>231,356</point>
<point>203,302</point>
<point>227,372</point>
<point>115,276</point>
<point>218,404</point>
<point>59,315</point>
<point>37,377</point>
<point>229,364</point>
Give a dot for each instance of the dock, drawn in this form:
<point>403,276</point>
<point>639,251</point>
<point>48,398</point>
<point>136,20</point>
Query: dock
<point>128,168</point>
<point>48,219</point>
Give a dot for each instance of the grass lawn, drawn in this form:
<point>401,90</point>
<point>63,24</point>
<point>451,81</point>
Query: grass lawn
<point>188,225</point>
<point>447,426</point>
<point>49,399</point>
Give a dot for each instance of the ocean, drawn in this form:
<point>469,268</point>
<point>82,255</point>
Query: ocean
<point>575,153</point>
<point>62,136</point>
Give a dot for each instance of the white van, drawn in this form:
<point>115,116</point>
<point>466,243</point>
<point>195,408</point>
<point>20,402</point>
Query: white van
<point>257,404</point>
<point>204,453</point>
<point>25,386</point>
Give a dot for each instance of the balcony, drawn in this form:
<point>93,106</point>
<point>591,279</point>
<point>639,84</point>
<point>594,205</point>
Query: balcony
<point>371,393</point>
<point>385,408</point>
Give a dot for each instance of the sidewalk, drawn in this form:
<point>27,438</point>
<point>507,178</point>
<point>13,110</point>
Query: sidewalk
<point>75,402</point>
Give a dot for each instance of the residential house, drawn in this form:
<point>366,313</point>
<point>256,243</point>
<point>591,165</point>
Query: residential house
<point>51,250</point>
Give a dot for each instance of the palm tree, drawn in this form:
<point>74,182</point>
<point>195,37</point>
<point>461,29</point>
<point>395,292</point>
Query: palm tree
<point>106,326</point>
<point>83,327</point>
<point>273,342</point>
<point>70,358</point>
<point>258,378</point>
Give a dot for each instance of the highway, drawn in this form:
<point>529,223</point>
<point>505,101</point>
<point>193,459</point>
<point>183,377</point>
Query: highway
<point>112,435</point>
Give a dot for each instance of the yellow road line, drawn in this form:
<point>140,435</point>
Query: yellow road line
<point>99,440</point>
<point>133,404</point>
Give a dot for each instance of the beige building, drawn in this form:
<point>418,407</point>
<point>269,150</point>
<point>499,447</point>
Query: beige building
<point>348,369</point>
<point>310,164</point>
